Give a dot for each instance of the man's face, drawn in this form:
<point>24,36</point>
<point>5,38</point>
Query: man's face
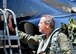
<point>42,25</point>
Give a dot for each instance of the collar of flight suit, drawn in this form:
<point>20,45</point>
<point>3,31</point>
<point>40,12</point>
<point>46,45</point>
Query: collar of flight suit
<point>46,43</point>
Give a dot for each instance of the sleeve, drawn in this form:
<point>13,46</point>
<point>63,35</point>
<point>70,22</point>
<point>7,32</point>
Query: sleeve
<point>64,44</point>
<point>23,36</point>
<point>27,37</point>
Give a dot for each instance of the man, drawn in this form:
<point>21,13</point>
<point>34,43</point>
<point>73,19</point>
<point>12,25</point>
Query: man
<point>53,41</point>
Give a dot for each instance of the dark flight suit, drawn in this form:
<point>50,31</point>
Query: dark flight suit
<point>56,43</point>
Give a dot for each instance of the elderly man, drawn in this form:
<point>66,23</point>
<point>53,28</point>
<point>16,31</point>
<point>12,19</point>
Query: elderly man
<point>52,41</point>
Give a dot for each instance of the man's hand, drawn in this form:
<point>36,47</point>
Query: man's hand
<point>10,26</point>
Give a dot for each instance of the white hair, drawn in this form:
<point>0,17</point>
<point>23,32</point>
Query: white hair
<point>49,20</point>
